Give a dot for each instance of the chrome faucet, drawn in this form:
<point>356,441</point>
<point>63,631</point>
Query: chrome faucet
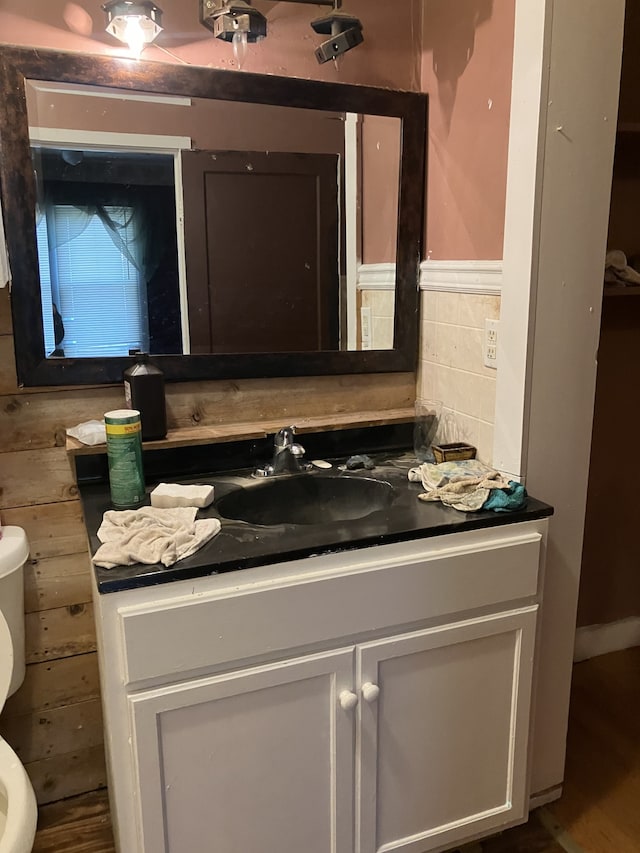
<point>287,455</point>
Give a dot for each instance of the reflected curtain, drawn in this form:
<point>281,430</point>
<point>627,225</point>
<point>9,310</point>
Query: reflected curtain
<point>129,226</point>
<point>140,222</point>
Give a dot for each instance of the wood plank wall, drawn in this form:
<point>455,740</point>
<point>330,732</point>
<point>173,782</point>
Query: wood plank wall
<point>54,720</point>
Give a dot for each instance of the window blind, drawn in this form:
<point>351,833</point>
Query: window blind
<point>100,294</point>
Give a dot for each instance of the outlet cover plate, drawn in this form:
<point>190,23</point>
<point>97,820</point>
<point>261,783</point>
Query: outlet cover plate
<point>490,344</point>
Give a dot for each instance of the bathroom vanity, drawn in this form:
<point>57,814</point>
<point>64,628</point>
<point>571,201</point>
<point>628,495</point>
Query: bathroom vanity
<point>366,687</point>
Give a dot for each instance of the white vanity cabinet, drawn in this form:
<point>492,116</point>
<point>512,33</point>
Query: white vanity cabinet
<point>373,700</point>
<point>441,751</point>
<point>252,760</point>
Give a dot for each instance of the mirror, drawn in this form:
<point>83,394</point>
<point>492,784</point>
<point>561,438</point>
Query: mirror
<point>213,237</point>
<point>233,225</point>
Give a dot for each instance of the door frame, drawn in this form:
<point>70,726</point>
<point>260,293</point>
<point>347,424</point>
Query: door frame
<point>566,81</point>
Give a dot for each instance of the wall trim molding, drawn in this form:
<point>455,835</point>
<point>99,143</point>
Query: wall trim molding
<point>479,277</point>
<point>100,138</point>
<point>376,277</point>
<point>594,640</point>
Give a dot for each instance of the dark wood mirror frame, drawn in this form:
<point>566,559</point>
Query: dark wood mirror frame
<point>19,193</point>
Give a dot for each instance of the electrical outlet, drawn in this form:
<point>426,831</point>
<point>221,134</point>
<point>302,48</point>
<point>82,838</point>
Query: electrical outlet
<point>490,347</point>
<point>365,327</point>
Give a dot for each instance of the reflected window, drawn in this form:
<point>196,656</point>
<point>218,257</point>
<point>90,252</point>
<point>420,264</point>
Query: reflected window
<point>93,295</point>
<point>108,255</point>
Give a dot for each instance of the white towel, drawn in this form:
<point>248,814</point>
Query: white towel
<point>616,269</point>
<point>5,270</point>
<point>151,535</point>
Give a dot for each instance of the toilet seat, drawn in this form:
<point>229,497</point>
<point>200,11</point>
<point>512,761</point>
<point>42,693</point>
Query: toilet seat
<point>6,660</point>
<point>17,800</point>
<point>21,817</point>
<point>14,551</point>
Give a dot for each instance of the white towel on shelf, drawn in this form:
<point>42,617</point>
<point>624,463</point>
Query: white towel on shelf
<point>5,269</point>
<point>150,535</point>
<point>617,269</point>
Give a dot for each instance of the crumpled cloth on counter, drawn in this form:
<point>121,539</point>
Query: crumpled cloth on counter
<point>151,535</point>
<point>468,485</point>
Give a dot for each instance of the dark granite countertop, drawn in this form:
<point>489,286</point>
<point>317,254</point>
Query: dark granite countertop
<point>242,545</point>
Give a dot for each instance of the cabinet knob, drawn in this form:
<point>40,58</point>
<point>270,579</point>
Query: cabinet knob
<point>348,700</point>
<point>370,692</point>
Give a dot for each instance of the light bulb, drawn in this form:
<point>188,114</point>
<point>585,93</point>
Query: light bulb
<point>240,47</point>
<point>134,35</point>
<point>136,24</point>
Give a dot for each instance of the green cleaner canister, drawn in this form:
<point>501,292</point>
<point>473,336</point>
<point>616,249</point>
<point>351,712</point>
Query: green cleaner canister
<point>124,452</point>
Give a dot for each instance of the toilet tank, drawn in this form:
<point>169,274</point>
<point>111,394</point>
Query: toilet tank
<point>14,550</point>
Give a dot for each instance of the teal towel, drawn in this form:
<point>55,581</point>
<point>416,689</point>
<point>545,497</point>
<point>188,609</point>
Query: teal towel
<point>507,500</point>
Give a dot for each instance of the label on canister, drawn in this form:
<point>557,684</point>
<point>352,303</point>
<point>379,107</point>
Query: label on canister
<point>124,452</point>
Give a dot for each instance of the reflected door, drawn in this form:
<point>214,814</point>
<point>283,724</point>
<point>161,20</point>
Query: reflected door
<point>261,240</point>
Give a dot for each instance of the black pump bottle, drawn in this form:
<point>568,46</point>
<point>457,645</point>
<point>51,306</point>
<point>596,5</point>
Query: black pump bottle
<point>144,391</point>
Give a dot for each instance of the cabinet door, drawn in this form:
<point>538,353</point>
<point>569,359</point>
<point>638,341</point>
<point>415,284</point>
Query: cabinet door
<point>442,740</point>
<point>258,761</point>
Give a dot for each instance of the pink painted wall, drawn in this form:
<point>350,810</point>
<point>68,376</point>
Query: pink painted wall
<point>390,55</point>
<point>224,125</point>
<point>466,69</point>
<point>459,52</point>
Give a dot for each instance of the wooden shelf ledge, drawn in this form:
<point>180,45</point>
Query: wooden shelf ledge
<point>193,436</point>
<point>628,127</point>
<point>622,290</point>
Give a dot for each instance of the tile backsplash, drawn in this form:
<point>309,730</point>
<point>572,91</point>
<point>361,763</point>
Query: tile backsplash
<point>451,368</point>
<point>381,303</point>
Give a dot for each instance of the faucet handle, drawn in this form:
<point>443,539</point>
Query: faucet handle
<point>284,436</point>
<point>287,455</point>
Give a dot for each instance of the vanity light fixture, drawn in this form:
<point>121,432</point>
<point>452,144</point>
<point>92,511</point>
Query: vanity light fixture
<point>135,22</point>
<point>235,21</point>
<point>345,32</point>
<point>238,22</point>
<point>226,18</point>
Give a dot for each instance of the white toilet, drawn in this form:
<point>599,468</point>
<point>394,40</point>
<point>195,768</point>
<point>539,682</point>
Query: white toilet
<point>18,812</point>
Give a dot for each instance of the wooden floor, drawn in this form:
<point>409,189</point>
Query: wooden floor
<point>77,825</point>
<point>600,806</point>
<point>599,811</point>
